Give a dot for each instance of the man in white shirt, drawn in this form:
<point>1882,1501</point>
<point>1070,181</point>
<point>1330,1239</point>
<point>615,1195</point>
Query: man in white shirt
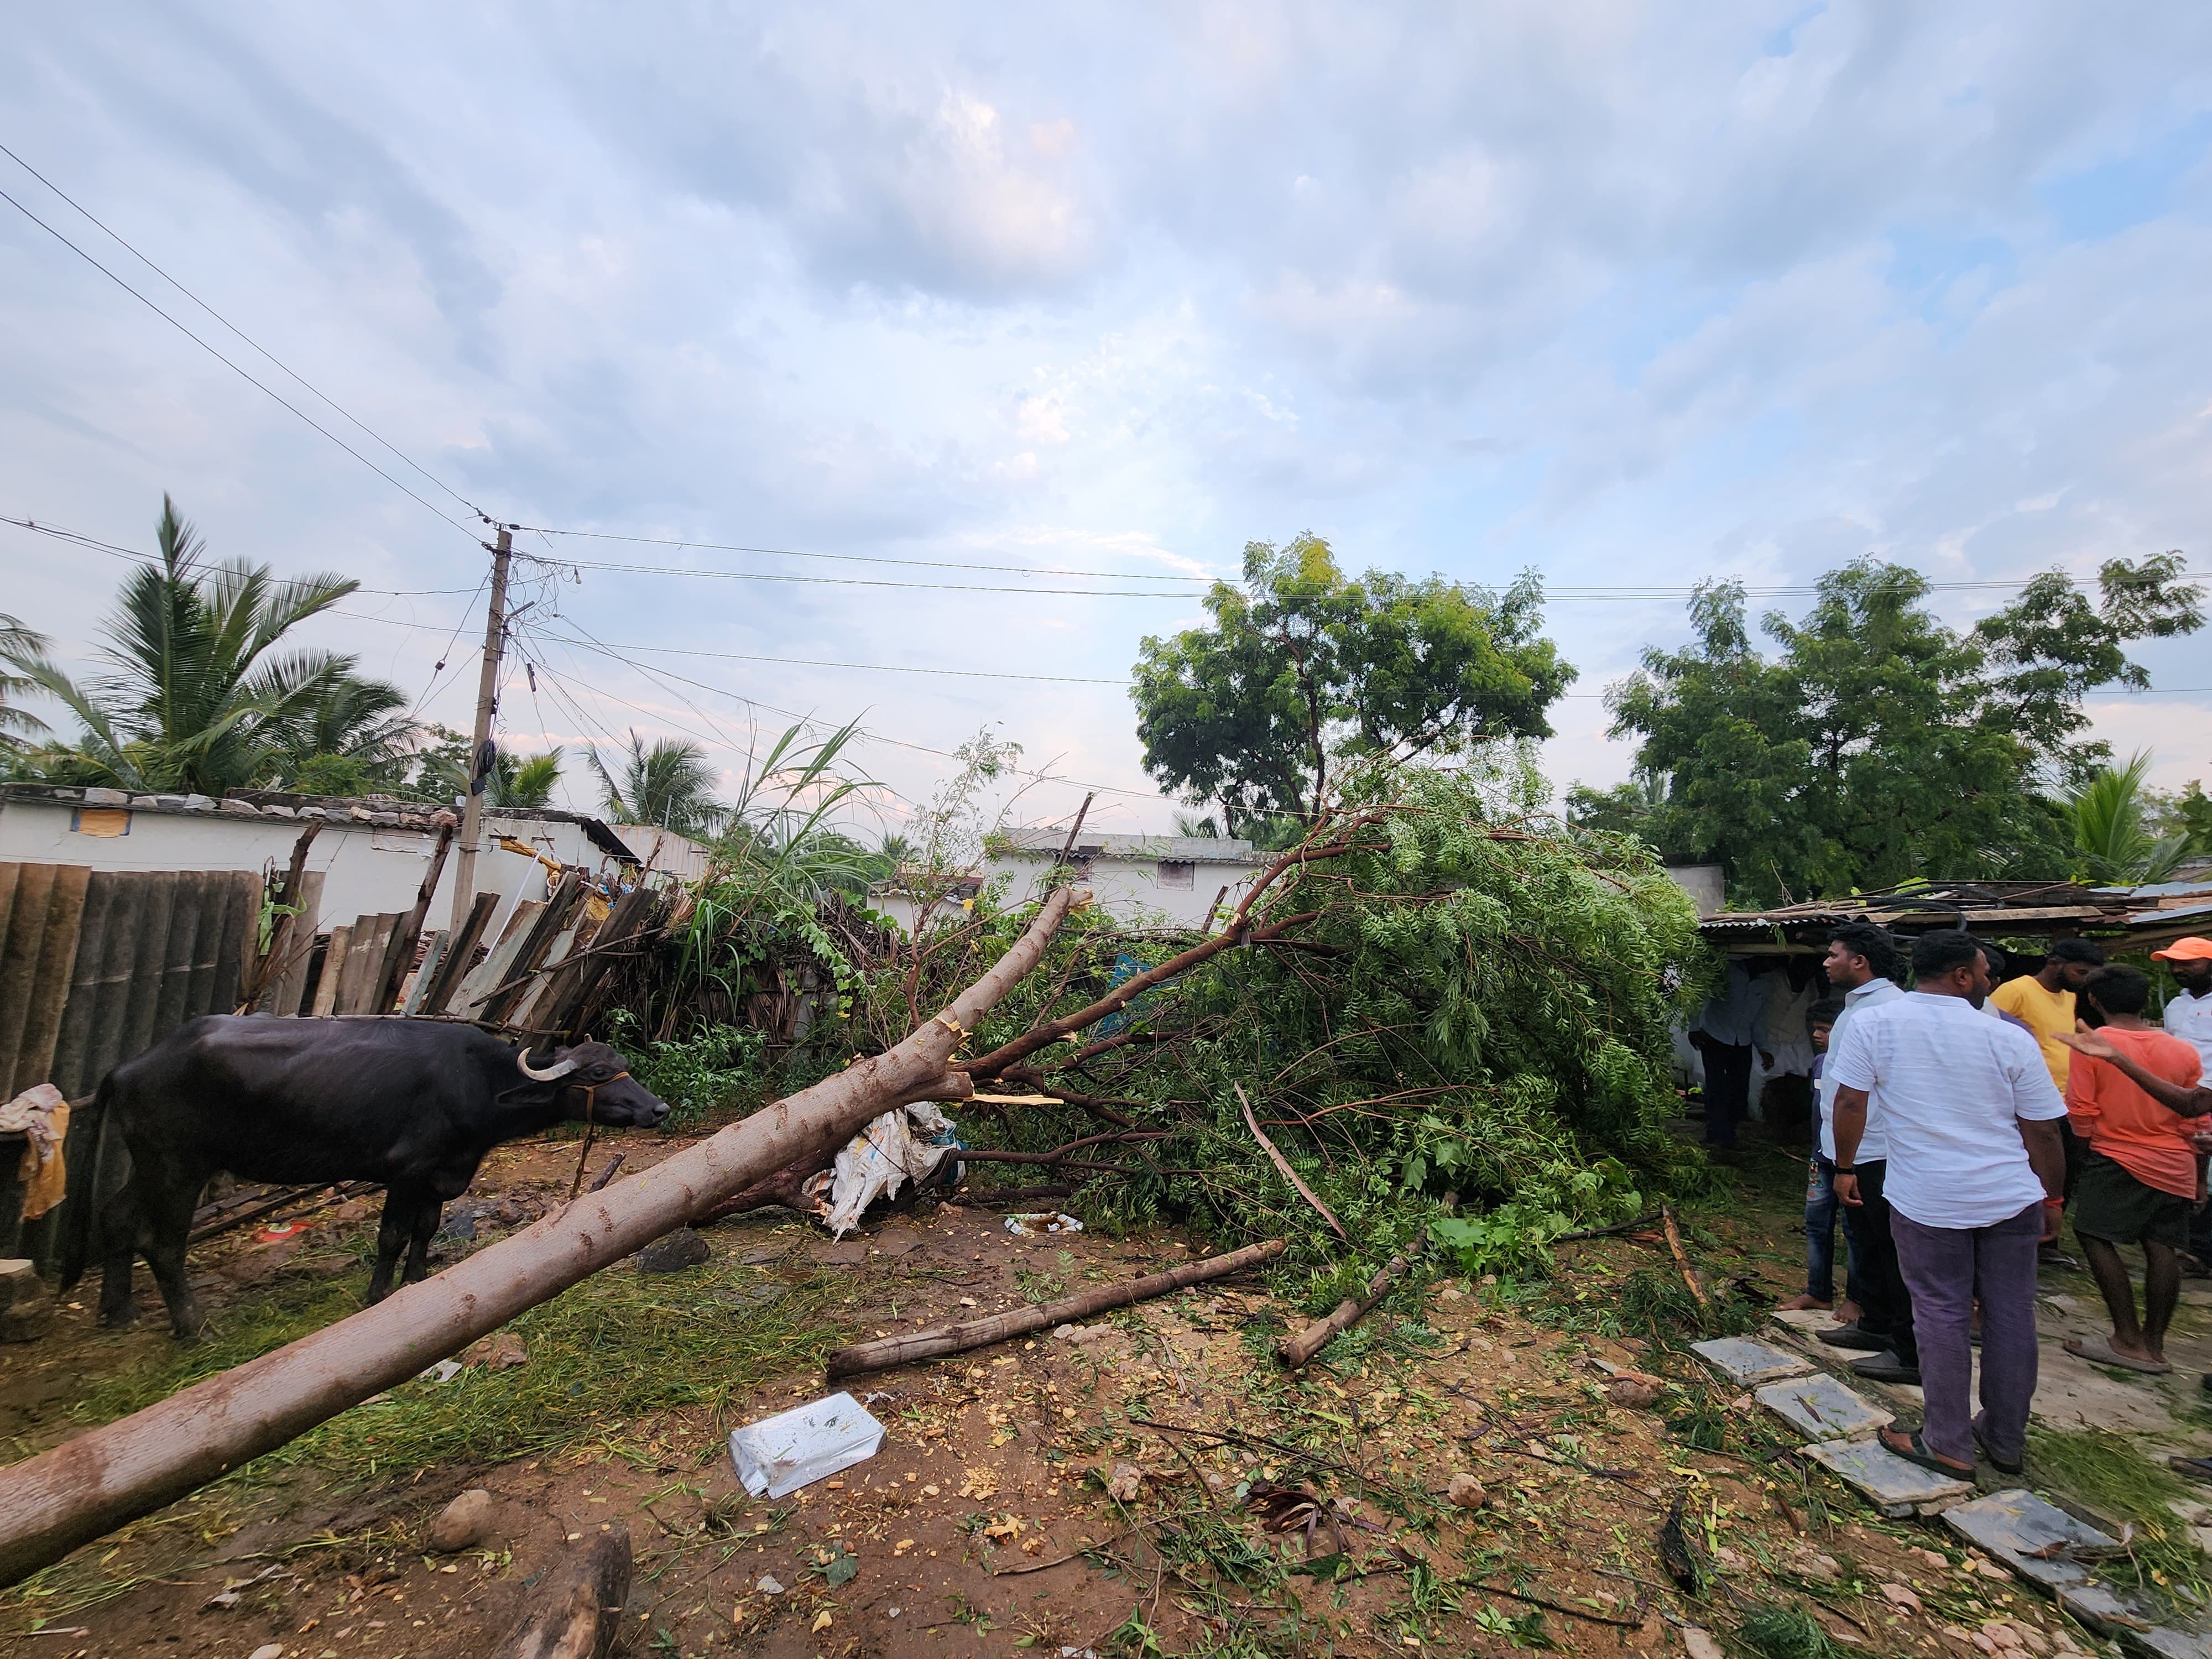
<point>2189,1015</point>
<point>1975,1172</point>
<point>1860,962</point>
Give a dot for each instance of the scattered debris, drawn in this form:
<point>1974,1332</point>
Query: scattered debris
<point>770,1584</point>
<point>1466,1492</point>
<point>1683,1259</point>
<point>1124,1482</point>
<point>1700,1644</point>
<point>795,1449</point>
<point>908,1142</point>
<point>1040,1224</point>
<point>465,1521</point>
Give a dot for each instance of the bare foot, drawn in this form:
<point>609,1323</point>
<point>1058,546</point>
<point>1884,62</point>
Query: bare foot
<point>2139,1350</point>
<point>1849,1312</point>
<point>1799,1304</point>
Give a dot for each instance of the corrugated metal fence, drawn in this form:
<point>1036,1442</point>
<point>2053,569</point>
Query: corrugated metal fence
<point>99,965</point>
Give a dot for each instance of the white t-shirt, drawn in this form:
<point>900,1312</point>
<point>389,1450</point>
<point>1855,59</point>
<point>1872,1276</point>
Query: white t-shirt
<point>1949,1084</point>
<point>1873,1146</point>
<point>2190,1018</point>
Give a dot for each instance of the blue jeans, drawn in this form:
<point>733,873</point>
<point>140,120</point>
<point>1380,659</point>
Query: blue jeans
<point>1820,1217</point>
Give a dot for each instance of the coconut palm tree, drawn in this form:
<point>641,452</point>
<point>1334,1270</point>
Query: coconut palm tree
<point>668,785</point>
<point>19,647</point>
<point>2113,843</point>
<point>197,695</point>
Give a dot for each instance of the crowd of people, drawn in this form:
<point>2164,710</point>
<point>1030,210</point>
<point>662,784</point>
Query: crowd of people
<point>1956,1127</point>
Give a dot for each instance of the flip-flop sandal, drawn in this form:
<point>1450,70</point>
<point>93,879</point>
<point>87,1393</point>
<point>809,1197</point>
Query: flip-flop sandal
<point>2004,1467</point>
<point>2099,1353</point>
<point>2196,1468</point>
<point>1915,1451</point>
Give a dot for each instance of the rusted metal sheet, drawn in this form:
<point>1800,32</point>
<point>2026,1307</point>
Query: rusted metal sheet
<point>50,986</point>
<point>142,1009</point>
<point>20,941</point>
<point>75,1038</point>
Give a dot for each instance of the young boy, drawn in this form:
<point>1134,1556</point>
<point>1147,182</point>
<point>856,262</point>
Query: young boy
<point>2141,1176</point>
<point>1820,1194</point>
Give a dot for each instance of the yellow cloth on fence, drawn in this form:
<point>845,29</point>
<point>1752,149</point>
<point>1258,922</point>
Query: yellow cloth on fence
<point>42,1116</point>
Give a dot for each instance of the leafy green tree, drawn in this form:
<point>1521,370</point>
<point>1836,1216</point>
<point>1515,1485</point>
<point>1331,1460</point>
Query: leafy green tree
<point>668,785</point>
<point>361,722</point>
<point>197,695</point>
<point>2186,812</point>
<point>19,647</point>
<point>1879,744</point>
<point>1305,673</point>
<point>2113,841</point>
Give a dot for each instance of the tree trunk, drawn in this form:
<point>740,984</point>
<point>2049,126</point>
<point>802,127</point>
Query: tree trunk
<point>1019,1322</point>
<point>578,1614</point>
<point>51,1503</point>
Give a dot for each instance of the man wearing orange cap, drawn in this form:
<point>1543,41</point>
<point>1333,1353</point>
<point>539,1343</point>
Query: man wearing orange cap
<point>2188,1016</point>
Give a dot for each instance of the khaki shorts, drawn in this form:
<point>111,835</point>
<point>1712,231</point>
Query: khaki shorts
<point>2111,1204</point>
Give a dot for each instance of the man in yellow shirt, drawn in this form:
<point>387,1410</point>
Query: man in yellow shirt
<point>2044,1001</point>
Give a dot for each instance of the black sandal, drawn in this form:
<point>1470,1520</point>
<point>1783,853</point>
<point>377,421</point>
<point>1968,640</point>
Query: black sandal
<point>1997,1462</point>
<point>1916,1451</point>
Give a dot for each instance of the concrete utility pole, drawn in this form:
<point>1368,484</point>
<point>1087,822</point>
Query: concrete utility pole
<point>464,874</point>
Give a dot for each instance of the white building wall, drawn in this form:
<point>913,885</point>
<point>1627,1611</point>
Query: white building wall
<point>367,870</point>
<point>1129,889</point>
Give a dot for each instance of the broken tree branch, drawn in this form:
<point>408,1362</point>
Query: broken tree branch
<point>53,1501</point>
<point>1237,930</point>
<point>1683,1259</point>
<point>1019,1322</point>
<point>1295,1351</point>
<point>1284,1164</point>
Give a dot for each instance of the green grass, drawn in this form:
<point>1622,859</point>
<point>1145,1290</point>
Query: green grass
<point>619,1346</point>
<point>2111,1475</point>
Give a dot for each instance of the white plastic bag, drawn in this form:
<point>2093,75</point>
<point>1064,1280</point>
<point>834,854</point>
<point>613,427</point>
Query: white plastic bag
<point>905,1144</point>
<point>795,1448</point>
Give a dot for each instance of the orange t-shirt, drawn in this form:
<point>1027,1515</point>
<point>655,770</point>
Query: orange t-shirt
<point>2126,1124</point>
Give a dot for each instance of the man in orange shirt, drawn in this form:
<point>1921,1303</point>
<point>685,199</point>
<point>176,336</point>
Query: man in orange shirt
<point>2140,1178</point>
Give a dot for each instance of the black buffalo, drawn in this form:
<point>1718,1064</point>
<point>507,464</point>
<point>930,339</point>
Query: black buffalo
<point>415,1104</point>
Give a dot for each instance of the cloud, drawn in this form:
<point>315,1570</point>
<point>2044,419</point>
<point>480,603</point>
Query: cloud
<point>1629,296</point>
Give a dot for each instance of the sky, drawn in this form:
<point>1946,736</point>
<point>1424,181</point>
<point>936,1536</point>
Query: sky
<point>946,299</point>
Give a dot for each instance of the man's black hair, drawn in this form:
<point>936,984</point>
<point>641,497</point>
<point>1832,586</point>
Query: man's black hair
<point>1877,945</point>
<point>1826,1012</point>
<point>1935,955</point>
<point>1999,962</point>
<point>2076,950</point>
<point>2119,989</point>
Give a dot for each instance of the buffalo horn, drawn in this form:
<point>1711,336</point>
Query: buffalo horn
<point>552,1073</point>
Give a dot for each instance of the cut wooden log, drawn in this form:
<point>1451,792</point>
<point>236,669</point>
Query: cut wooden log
<point>577,1612</point>
<point>1020,1322</point>
<point>51,1503</point>
<point>1297,1350</point>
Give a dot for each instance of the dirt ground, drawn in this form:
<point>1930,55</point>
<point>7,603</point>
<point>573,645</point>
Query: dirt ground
<point>1101,1490</point>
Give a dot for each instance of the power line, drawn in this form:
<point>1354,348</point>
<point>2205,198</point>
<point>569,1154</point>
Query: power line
<point>93,544</point>
<point>864,582</point>
<point>144,261</point>
<point>845,558</point>
<point>257,385</point>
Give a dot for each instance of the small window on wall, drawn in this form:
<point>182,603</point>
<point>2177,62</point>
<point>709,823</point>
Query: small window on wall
<point>101,821</point>
<point>1176,873</point>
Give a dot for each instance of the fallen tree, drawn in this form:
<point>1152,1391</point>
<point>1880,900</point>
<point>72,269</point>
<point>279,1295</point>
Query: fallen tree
<point>51,1503</point>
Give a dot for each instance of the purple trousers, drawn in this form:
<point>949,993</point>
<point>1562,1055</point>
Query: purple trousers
<point>1945,1269</point>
